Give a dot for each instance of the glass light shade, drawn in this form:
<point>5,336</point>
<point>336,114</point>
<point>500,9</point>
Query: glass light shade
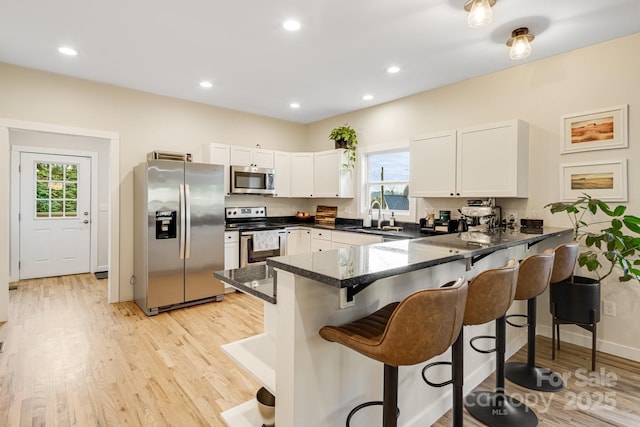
<point>480,14</point>
<point>521,48</point>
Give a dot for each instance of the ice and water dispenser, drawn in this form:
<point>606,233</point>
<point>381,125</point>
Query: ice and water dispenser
<point>166,224</point>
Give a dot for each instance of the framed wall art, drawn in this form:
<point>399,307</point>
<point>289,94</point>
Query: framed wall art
<point>605,180</point>
<point>595,130</point>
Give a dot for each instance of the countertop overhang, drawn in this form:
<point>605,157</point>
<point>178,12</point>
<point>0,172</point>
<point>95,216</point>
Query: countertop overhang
<point>362,265</point>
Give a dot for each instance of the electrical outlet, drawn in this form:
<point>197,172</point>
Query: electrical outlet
<point>609,308</point>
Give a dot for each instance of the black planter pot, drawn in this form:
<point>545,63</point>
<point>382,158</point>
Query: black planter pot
<point>340,143</point>
<point>575,300</point>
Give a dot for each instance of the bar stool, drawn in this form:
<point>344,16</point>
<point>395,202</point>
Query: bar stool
<point>422,326</point>
<point>491,294</point>
<point>533,280</point>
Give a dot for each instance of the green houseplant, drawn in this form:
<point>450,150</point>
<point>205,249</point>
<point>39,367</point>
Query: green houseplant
<point>345,137</point>
<point>614,237</point>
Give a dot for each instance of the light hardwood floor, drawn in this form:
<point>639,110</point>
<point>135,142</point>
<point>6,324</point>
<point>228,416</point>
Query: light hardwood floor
<point>73,359</point>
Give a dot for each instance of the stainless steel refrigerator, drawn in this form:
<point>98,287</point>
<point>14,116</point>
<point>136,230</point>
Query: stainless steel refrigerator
<point>178,234</point>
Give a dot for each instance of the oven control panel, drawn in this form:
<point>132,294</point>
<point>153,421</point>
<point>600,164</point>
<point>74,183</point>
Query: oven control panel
<point>246,212</point>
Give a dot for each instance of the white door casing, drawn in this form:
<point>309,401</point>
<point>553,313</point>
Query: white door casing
<point>55,216</point>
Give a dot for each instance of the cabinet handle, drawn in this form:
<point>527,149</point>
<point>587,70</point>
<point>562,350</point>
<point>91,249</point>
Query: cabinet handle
<point>451,194</point>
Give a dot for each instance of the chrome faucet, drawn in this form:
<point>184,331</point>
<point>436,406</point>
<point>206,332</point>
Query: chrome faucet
<point>379,212</point>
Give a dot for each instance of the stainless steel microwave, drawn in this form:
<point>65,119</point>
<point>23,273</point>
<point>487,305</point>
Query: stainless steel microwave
<point>252,180</point>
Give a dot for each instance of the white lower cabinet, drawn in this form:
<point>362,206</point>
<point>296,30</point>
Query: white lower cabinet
<point>341,239</point>
<point>231,254</point>
<point>298,241</point>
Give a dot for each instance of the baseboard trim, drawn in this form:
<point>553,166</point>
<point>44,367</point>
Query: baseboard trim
<point>583,340</point>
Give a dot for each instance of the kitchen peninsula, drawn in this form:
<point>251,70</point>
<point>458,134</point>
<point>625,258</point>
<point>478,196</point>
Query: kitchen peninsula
<point>316,382</point>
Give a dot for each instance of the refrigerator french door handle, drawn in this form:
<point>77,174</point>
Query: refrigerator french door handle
<point>187,202</point>
<point>182,221</point>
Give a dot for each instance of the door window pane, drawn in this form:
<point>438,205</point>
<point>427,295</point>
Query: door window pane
<point>56,190</point>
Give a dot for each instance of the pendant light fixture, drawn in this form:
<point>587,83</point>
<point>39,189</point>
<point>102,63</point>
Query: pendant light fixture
<point>480,13</point>
<point>520,43</point>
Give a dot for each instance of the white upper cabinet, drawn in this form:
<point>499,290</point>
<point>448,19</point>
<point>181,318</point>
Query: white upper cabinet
<point>493,160</point>
<point>218,154</point>
<point>489,160</point>
<point>330,179</point>
<point>432,165</point>
<point>301,175</point>
<point>282,164</point>
<point>246,156</point>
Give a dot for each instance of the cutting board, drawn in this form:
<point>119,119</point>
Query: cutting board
<point>326,215</point>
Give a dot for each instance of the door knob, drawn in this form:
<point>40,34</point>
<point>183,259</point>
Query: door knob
<point>86,221</point>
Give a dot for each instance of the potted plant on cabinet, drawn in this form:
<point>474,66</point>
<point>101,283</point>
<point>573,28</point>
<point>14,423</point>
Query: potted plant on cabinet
<point>345,137</point>
<point>609,242</point>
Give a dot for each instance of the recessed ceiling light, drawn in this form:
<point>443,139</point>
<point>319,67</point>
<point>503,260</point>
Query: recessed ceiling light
<point>367,97</point>
<point>206,84</point>
<point>294,105</point>
<point>291,25</point>
<point>393,69</point>
<point>67,51</point>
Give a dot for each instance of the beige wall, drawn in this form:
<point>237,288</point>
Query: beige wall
<point>539,93</point>
<point>145,122</point>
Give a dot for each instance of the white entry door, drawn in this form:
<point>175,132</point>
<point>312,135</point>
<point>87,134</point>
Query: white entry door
<point>55,221</point>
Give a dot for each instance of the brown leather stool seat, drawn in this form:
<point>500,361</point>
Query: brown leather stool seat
<point>533,280</point>
<point>491,293</point>
<point>572,299</point>
<point>422,326</point>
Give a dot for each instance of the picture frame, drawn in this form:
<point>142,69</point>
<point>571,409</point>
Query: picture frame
<point>601,129</point>
<point>605,180</point>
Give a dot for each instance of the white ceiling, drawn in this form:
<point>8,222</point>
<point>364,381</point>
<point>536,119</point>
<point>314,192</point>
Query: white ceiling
<point>340,53</point>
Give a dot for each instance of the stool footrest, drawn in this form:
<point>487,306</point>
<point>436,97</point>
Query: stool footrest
<point>432,384</point>
<point>366,405</point>
<point>479,337</point>
<point>516,325</point>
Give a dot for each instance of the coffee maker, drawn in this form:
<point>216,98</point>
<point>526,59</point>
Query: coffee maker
<point>481,215</point>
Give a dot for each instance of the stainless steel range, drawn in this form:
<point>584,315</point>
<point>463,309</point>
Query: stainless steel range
<point>259,238</point>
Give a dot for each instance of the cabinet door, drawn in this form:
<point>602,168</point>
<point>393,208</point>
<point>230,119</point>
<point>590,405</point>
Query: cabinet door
<point>282,163</point>
<point>231,250</point>
<point>326,174</point>
<point>218,154</point>
<point>298,241</point>
<point>492,160</point>
<point>241,156</point>
<point>318,245</point>
<point>301,174</point>
<point>432,165</point>
<point>262,158</point>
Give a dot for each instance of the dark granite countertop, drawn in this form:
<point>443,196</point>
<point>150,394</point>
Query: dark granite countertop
<point>358,265</point>
<point>256,280</point>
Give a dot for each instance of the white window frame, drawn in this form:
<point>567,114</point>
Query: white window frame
<point>363,181</point>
